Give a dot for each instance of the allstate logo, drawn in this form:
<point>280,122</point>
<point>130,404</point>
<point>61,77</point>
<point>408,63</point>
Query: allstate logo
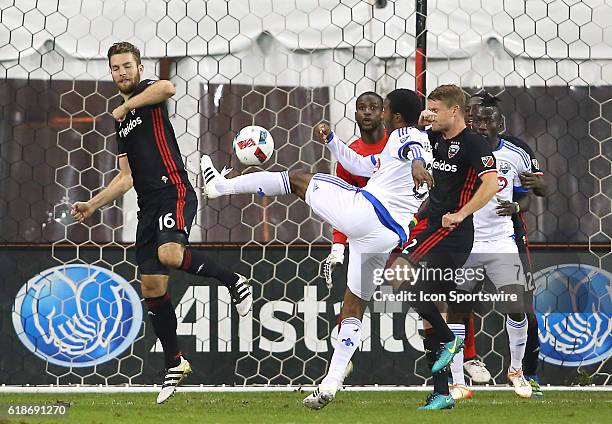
<point>574,309</point>
<point>77,315</point>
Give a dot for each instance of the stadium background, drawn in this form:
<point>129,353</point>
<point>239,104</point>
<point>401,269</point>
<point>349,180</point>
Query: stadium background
<point>285,66</point>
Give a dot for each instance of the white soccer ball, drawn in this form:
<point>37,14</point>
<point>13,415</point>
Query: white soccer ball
<point>253,145</point>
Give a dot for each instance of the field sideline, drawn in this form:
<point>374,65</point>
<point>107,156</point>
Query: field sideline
<point>352,407</point>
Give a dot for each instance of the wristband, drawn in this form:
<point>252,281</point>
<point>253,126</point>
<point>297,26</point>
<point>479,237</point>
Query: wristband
<point>413,222</point>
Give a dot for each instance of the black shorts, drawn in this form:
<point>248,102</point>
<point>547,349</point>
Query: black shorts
<point>440,248</point>
<point>437,245</point>
<point>167,218</point>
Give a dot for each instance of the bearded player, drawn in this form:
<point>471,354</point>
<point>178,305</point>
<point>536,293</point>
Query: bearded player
<point>151,162</point>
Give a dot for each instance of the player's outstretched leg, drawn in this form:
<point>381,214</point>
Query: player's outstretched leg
<point>263,183</point>
<point>177,255</point>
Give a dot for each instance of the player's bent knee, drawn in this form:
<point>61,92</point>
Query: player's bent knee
<point>171,255</point>
<point>299,180</point>
<point>153,285</point>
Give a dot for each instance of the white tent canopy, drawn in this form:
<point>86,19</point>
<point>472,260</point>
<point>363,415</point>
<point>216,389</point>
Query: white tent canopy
<point>558,29</point>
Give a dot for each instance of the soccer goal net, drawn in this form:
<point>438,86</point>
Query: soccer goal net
<point>71,309</point>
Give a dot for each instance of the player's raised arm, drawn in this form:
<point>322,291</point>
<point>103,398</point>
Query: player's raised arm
<point>153,93</point>
<point>118,186</point>
<point>353,162</point>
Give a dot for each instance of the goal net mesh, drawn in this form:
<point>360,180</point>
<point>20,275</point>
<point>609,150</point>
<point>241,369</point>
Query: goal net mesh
<point>285,66</point>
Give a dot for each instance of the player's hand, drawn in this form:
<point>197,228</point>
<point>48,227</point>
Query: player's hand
<point>506,208</point>
<point>80,211</point>
<point>529,180</point>
<point>421,175</point>
<point>426,118</point>
<point>120,112</point>
<point>335,258</point>
<point>322,132</point>
<point>452,220</point>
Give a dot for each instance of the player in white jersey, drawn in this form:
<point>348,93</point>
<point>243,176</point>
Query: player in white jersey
<point>375,218</point>
<point>495,250</point>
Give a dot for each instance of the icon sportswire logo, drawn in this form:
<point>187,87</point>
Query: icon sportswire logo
<point>574,310</point>
<point>77,315</point>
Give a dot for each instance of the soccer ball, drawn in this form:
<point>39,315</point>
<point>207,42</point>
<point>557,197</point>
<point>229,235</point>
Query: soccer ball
<point>253,145</point>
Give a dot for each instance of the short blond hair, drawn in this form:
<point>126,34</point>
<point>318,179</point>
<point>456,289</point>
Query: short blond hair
<point>451,95</point>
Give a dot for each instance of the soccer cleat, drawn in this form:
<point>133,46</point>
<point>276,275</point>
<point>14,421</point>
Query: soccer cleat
<point>534,382</point>
<point>320,398</point>
<point>521,386</point>
<point>436,401</point>
<point>211,176</point>
<point>242,295</point>
<point>477,371</point>
<point>446,355</point>
<point>459,391</point>
<point>172,378</point>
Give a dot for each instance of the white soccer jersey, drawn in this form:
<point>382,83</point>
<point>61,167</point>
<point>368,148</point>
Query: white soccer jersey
<point>511,161</point>
<point>390,172</point>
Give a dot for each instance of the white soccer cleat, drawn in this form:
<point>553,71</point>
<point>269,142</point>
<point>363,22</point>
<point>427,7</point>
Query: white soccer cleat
<point>211,177</point>
<point>321,397</point>
<point>172,378</point>
<point>477,371</point>
<point>242,295</point>
<point>459,391</point>
<point>521,386</point>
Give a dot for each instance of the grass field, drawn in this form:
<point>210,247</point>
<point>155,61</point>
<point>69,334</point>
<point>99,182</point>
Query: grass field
<point>286,407</point>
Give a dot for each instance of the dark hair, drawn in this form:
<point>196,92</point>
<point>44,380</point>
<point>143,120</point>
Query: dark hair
<point>451,95</point>
<point>369,93</point>
<point>488,100</point>
<point>124,47</point>
<point>407,103</point>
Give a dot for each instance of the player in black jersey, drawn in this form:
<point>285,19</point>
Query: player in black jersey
<point>465,179</point>
<point>150,161</point>
<point>534,181</point>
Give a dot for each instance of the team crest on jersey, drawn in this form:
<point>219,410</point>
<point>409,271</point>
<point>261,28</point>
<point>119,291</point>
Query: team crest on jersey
<point>487,161</point>
<point>504,167</point>
<point>453,150</point>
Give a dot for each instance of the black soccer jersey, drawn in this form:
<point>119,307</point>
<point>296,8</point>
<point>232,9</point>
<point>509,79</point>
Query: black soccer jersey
<point>458,163</point>
<point>147,138</point>
<point>520,230</point>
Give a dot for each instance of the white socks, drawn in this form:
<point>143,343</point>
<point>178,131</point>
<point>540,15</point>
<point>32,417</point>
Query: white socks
<point>349,339</point>
<point>263,183</point>
<point>517,339</point>
<point>457,364</point>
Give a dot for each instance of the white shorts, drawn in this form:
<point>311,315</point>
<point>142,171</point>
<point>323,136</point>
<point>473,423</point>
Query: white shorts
<point>501,262</point>
<point>370,242</point>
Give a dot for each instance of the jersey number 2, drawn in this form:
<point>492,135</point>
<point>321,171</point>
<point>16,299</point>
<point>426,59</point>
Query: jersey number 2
<point>166,221</point>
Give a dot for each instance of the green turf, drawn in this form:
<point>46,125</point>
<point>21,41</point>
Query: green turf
<point>348,407</point>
